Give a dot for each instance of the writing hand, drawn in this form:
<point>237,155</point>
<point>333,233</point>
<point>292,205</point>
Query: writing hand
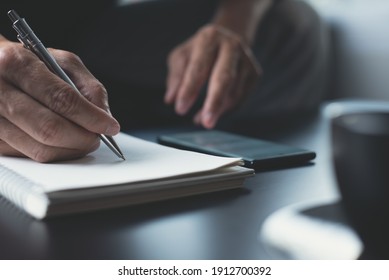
<point>41,116</point>
<point>219,56</point>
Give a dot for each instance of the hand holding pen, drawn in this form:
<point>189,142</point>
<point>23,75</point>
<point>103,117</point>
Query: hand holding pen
<point>44,117</point>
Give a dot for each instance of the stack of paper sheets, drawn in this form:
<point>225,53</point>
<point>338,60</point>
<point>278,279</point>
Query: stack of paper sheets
<point>100,180</point>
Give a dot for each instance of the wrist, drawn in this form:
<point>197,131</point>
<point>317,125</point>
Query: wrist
<point>242,17</point>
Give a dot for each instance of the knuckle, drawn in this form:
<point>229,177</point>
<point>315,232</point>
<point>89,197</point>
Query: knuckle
<point>8,109</point>
<point>69,55</point>
<point>41,154</point>
<point>49,131</point>
<point>66,59</point>
<point>13,105</point>
<point>200,70</point>
<point>176,56</point>
<point>100,91</point>
<point>234,42</point>
<point>98,95</point>
<point>65,56</point>
<point>16,61</point>
<point>9,57</point>
<point>225,78</point>
<point>99,88</point>
<point>209,31</point>
<point>63,99</point>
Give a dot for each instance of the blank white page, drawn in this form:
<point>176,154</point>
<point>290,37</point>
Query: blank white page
<point>144,161</point>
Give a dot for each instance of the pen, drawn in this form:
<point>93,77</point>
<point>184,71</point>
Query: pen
<point>30,41</point>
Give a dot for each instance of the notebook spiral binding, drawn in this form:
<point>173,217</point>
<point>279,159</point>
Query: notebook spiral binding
<point>17,188</point>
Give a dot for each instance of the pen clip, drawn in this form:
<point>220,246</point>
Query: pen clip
<point>25,34</point>
<point>24,41</point>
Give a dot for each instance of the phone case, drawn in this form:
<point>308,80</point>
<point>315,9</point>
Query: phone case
<point>255,153</point>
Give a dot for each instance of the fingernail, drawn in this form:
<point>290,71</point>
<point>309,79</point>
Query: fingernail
<point>113,129</point>
<point>181,107</point>
<point>209,120</point>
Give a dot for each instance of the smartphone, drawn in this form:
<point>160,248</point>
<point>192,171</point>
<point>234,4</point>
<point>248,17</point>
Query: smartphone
<point>254,152</point>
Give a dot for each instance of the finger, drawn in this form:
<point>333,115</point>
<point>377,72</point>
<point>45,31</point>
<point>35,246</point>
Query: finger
<point>197,72</point>
<point>41,123</point>
<point>240,90</point>
<point>17,143</point>
<point>249,57</point>
<point>223,78</point>
<point>28,73</point>
<point>197,118</point>
<point>250,73</point>
<point>86,83</point>
<point>228,101</point>
<point>177,64</point>
<point>7,150</point>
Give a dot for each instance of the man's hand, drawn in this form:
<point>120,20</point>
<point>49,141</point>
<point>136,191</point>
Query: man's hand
<point>41,116</point>
<point>215,55</point>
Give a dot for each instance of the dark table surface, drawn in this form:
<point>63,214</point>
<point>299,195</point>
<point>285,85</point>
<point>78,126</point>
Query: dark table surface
<point>222,225</point>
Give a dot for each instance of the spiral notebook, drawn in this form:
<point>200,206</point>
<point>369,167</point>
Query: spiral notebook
<point>100,180</point>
